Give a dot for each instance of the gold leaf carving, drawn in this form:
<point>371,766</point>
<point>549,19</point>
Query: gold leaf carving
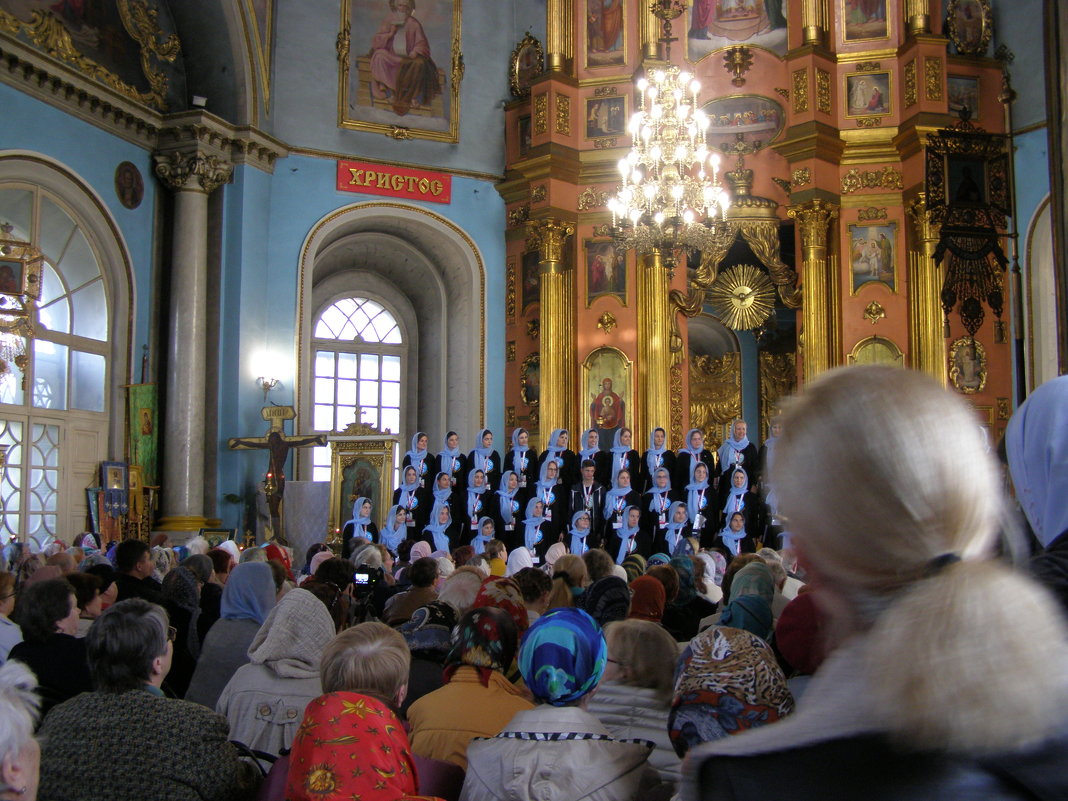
<point>563,115</point>
<point>869,122</point>
<point>932,78</point>
<point>886,178</point>
<point>778,380</point>
<point>509,351</point>
<point>606,322</point>
<point>591,199</point>
<point>676,406</point>
<point>604,143</point>
<point>874,312</point>
<point>869,66</point>
<point>534,328</point>
<point>910,84</point>
<point>801,176</point>
<point>823,91</point>
<point>518,215</point>
<point>871,213</point>
<point>541,114</point>
<point>605,91</point>
<point>538,193</point>
<point>800,91</point>
<point>715,390</point>
<point>510,292</point>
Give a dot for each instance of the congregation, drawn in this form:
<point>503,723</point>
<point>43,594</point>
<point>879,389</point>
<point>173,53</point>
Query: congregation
<point>834,614</point>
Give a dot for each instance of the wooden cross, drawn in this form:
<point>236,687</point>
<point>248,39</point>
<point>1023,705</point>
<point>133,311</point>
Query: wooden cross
<point>277,443</point>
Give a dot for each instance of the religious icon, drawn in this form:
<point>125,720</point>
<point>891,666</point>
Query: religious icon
<point>528,61</point>
<point>967,365</point>
<point>761,119</point>
<point>970,25</point>
<point>604,33</point>
<point>396,71</point>
<point>871,254</point>
<point>359,479</point>
<point>524,135</point>
<point>129,186</point>
<point>114,478</point>
<point>963,92</point>
<point>530,380</point>
<point>605,272</point>
<point>605,116</point>
<point>11,276</point>
<point>868,94</point>
<point>865,19</point>
<point>606,374</point>
<point>966,177</point>
<point>716,24</point>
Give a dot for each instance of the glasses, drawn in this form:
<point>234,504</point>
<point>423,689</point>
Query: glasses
<point>172,633</point>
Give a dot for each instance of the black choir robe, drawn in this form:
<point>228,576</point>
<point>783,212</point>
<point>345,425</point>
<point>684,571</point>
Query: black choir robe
<point>577,501</point>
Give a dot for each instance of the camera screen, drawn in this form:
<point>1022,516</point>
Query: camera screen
<point>361,578</point>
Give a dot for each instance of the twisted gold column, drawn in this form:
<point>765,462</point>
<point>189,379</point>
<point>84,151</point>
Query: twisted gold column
<point>559,35</point>
<point>654,346</point>
<point>557,335</point>
<point>813,21</point>
<point>927,348</point>
<point>821,332</point>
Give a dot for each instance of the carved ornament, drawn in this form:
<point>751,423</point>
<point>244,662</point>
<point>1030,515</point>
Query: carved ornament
<point>800,91</point>
<point>179,170</point>
<point>591,199</point>
<point>823,91</point>
<point>871,213</point>
<point>874,312</point>
<point>886,178</point>
<point>606,322</point>
<point>910,84</point>
<point>563,115</point>
<point>932,78</point>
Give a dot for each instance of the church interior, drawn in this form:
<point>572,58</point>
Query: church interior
<point>252,245</point>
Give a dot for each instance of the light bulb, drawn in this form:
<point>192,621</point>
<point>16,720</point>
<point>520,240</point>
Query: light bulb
<point>624,168</point>
<point>684,78</point>
<point>695,86</point>
<point>659,76</point>
<point>687,216</point>
<point>642,84</point>
<point>659,218</point>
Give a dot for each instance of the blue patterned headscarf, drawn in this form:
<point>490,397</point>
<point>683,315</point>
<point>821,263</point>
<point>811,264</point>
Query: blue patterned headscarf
<point>562,656</point>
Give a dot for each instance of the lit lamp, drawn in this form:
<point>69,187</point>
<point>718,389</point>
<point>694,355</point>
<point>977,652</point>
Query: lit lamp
<point>20,287</point>
<point>670,196</point>
<point>266,384</point>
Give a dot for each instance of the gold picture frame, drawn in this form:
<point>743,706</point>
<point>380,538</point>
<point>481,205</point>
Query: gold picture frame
<point>970,26</point>
<point>530,380</point>
<point>872,252</point>
<point>360,466</point>
<point>602,15</point>
<point>967,365</point>
<point>607,364</point>
<point>366,101</point>
<point>528,61</point>
<point>874,29</point>
<point>864,85</point>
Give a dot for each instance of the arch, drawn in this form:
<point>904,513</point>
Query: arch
<point>432,274</point>
<point>877,350</point>
<point>105,236</point>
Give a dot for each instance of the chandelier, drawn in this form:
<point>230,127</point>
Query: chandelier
<point>670,197</point>
<point>20,282</point>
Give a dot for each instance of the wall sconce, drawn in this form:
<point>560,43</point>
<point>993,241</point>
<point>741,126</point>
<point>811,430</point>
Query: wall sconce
<point>266,384</point>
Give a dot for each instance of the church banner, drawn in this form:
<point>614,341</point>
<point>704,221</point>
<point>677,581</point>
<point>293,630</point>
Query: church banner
<point>142,421</point>
<point>404,182</point>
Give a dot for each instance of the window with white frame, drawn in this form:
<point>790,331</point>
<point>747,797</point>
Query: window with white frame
<point>358,355</point>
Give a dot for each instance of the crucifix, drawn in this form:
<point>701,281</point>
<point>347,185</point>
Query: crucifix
<point>277,443</point>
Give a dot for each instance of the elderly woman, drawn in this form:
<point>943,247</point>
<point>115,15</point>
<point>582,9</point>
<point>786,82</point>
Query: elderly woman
<point>247,599</point>
<point>562,658</point>
<point>634,697</point>
<point>47,612</point>
<point>129,719</point>
<point>940,682</point>
<point>749,608</point>
<point>477,699</point>
<point>265,699</point>
<point>364,673</point>
<point>20,754</point>
<point>10,633</point>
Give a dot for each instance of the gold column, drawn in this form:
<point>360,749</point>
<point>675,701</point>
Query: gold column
<point>918,14</point>
<point>560,36</point>
<point>654,346</point>
<point>813,21</point>
<point>650,31</point>
<point>927,348</point>
<point>821,333</point>
<point>557,335</point>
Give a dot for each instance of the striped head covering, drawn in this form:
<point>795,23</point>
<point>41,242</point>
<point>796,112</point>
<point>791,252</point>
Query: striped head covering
<point>485,639</point>
<point>563,656</point>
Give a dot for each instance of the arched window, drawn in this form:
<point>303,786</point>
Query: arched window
<point>54,422</point>
<point>359,354</point>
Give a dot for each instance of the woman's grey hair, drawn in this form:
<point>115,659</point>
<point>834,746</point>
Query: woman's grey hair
<point>460,589</point>
<point>368,555</point>
<point>18,710</point>
<point>197,545</point>
<point>123,643</point>
<point>253,555</point>
<point>200,566</point>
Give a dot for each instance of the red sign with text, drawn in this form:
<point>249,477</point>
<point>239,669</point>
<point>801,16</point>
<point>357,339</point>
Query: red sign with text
<point>380,179</point>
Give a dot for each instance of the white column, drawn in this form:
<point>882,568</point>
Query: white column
<point>193,177</point>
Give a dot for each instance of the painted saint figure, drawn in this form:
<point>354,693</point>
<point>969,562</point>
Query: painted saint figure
<point>401,67</point>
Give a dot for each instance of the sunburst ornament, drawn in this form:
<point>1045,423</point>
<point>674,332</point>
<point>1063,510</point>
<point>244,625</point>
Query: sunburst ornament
<point>743,297</point>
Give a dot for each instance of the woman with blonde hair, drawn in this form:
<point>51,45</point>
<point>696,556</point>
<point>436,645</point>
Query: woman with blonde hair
<point>569,581</point>
<point>940,678</point>
<point>634,697</point>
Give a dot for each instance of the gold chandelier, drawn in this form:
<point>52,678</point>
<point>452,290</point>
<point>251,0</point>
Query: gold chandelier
<point>20,287</point>
<point>670,197</point>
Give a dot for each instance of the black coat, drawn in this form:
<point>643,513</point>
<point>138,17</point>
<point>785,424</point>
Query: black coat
<point>459,474</point>
<point>667,460</point>
<point>608,527</point>
<point>511,537</point>
<point>427,470</point>
<point>529,472</point>
<point>870,767</point>
<point>681,477</point>
<point>577,502</point>
<point>422,501</point>
<point>493,474</point>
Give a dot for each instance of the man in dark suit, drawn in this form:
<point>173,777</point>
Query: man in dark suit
<point>133,561</point>
<point>588,495</point>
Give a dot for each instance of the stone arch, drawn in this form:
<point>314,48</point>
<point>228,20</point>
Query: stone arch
<point>432,273</point>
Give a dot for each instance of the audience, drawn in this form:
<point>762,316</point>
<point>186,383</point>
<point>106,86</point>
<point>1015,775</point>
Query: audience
<point>607,600</point>
<point>264,701</point>
<point>647,600</point>
<point>535,586</point>
<point>47,613</point>
<point>569,581</point>
<point>351,744</point>
<point>634,697</point>
<point>125,739</point>
<point>133,561</point>
<point>181,599</point>
<point>10,633</point>
<point>428,636</point>
<point>749,607</point>
<point>87,597</point>
<point>562,658</point>
<point>683,615</point>
<point>423,574</point>
<point>477,699</point>
<point>247,600</point>
<point>20,753</point>
<point>942,679</point>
